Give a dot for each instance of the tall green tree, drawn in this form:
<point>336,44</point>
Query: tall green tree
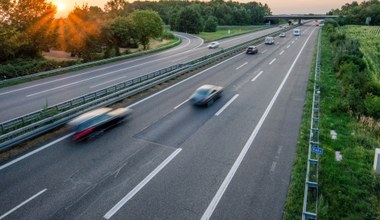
<point>211,24</point>
<point>121,31</point>
<point>189,21</point>
<point>146,24</point>
<point>32,19</point>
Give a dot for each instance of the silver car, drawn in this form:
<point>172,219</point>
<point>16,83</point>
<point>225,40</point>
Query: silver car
<point>213,45</point>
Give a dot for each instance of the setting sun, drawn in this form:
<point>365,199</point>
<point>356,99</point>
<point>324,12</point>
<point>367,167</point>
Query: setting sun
<point>60,6</point>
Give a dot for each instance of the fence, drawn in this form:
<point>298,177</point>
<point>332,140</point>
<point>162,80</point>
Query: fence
<point>310,203</point>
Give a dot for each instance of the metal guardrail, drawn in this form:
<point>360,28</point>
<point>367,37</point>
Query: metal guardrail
<point>28,126</point>
<point>310,202</point>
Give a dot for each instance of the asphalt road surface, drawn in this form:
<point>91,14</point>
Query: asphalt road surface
<point>29,97</point>
<point>172,160</point>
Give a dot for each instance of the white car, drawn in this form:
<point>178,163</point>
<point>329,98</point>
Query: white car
<point>269,40</point>
<point>296,32</point>
<point>283,34</point>
<point>213,45</point>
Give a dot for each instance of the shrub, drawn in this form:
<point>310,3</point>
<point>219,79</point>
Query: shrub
<point>372,105</point>
<point>211,24</point>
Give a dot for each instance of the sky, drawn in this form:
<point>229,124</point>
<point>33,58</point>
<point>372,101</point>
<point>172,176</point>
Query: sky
<point>277,6</point>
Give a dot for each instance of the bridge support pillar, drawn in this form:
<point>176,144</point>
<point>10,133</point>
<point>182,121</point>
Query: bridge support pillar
<point>299,21</point>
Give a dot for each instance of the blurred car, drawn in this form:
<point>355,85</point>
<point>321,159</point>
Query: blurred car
<point>213,45</point>
<point>251,50</point>
<point>269,40</point>
<point>96,121</point>
<point>296,32</point>
<point>283,34</point>
<point>206,95</point>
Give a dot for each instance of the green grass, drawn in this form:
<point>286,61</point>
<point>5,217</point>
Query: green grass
<point>369,37</point>
<point>228,31</point>
<point>348,189</point>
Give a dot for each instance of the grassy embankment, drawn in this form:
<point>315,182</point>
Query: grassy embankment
<point>228,31</point>
<point>348,189</point>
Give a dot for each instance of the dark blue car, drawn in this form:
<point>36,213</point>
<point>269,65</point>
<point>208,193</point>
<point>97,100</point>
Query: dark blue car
<point>206,95</point>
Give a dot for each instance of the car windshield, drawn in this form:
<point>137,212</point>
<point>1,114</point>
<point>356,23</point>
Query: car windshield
<point>201,92</point>
<point>93,121</point>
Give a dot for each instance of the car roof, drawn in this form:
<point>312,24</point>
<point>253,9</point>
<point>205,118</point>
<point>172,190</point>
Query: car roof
<point>251,46</point>
<point>206,87</point>
<point>89,115</point>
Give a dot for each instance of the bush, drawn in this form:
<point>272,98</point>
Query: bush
<point>211,24</point>
<point>23,67</point>
<point>167,35</point>
<point>372,105</point>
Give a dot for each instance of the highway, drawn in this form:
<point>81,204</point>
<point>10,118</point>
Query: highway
<point>172,160</point>
<point>32,96</point>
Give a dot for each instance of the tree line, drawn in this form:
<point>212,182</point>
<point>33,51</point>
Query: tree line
<point>356,13</point>
<point>29,27</point>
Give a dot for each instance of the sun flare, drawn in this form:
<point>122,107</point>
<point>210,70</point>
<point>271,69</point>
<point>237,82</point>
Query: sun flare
<point>60,6</point>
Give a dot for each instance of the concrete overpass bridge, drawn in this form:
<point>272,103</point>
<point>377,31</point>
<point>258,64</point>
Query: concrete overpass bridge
<point>299,17</point>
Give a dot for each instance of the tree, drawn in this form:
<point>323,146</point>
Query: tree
<point>121,31</point>
<point>83,34</point>
<point>189,21</point>
<point>9,43</point>
<point>34,26</point>
<point>211,24</point>
<point>115,8</point>
<point>145,24</point>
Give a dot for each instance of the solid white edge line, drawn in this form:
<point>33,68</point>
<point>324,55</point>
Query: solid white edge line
<point>242,65</point>
<point>258,75</point>
<point>33,152</point>
<point>137,188</point>
<point>226,105</point>
<point>166,89</point>
<point>214,202</point>
<point>23,203</point>
<point>272,61</point>
<point>181,103</point>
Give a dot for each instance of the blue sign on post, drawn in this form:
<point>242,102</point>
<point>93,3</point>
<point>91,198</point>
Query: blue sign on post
<point>317,150</point>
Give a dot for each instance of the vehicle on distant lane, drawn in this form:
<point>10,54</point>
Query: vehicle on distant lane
<point>296,32</point>
<point>96,121</point>
<point>206,95</point>
<point>213,45</point>
<point>269,40</point>
<point>283,34</point>
<point>251,50</point>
